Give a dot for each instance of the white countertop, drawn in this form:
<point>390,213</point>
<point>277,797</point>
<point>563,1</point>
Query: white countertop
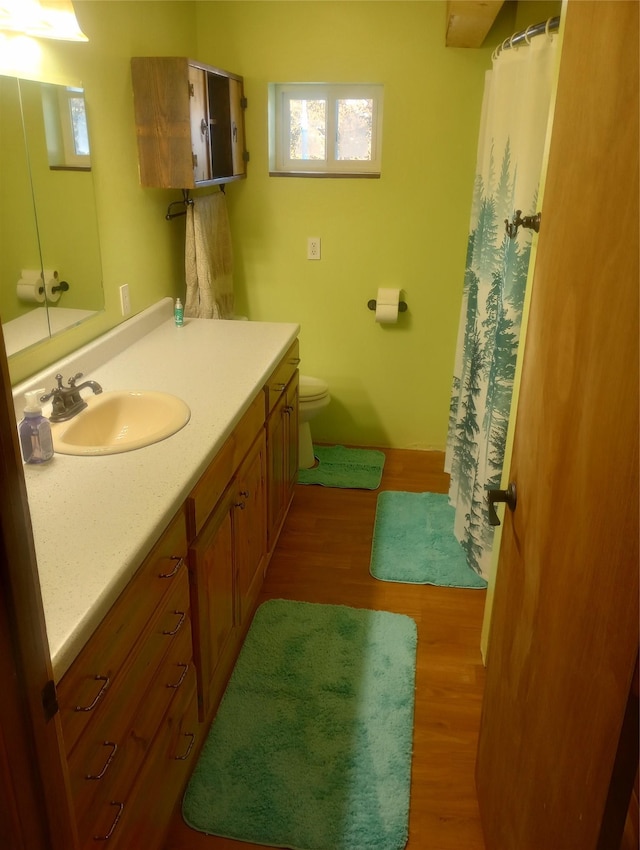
<point>96,518</point>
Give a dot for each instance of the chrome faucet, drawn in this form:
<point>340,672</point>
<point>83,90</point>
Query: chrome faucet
<point>67,401</point>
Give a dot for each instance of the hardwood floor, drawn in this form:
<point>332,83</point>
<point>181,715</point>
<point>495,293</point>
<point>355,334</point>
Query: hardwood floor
<point>323,556</point>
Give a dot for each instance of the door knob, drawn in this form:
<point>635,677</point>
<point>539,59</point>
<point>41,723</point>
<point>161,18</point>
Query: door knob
<point>509,496</point>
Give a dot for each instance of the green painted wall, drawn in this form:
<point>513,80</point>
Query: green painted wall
<point>390,385</point>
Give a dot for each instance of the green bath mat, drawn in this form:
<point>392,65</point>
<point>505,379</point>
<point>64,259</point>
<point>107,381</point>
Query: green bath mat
<point>311,746</point>
<point>358,469</point>
<point>414,543</point>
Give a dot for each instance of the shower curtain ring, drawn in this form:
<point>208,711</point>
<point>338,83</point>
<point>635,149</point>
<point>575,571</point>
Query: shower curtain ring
<point>526,36</point>
<point>547,27</point>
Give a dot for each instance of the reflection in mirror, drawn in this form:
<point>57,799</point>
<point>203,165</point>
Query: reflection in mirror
<point>50,266</point>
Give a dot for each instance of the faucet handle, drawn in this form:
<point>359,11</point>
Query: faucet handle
<point>72,381</point>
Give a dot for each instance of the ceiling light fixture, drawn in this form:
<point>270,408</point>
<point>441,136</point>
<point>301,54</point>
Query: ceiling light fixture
<point>41,19</point>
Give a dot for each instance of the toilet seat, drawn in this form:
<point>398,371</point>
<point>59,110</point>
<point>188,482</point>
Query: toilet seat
<point>312,389</point>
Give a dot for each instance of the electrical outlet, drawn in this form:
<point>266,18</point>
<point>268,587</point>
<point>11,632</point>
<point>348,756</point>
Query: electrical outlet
<point>125,303</point>
<point>313,248</point>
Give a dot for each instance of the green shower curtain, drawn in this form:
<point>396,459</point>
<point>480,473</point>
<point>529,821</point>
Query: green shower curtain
<point>515,113</point>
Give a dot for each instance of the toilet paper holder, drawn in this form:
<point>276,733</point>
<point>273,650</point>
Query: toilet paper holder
<point>402,305</point>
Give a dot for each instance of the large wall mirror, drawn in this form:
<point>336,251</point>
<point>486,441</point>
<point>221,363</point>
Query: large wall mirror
<point>50,264</point>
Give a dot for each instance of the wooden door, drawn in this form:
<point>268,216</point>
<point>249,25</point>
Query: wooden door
<point>564,633</point>
<point>35,798</point>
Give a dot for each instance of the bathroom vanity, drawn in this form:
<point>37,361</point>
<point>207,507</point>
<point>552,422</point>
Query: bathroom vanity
<point>152,562</point>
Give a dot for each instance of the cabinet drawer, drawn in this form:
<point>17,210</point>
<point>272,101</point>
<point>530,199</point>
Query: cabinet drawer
<point>114,800</point>
<point>164,775</point>
<point>281,376</point>
<point>207,492</point>
<point>110,751</point>
<point>94,674</point>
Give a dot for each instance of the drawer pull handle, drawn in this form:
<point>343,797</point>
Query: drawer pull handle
<point>113,825</point>
<point>106,681</point>
<point>289,409</point>
<point>279,388</point>
<point>189,748</point>
<point>180,561</point>
<point>182,677</point>
<point>294,361</point>
<point>245,494</point>
<point>240,505</point>
<point>114,750</point>
<point>181,615</point>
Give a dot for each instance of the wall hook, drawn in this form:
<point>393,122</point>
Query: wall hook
<point>532,222</point>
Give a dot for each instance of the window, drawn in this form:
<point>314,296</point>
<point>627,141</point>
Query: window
<point>65,121</point>
<point>325,129</point>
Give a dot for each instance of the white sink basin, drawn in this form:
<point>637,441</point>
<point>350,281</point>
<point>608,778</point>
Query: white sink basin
<point>120,421</point>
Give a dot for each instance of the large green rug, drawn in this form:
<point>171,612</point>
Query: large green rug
<point>358,469</point>
<point>414,543</point>
<point>311,746</point>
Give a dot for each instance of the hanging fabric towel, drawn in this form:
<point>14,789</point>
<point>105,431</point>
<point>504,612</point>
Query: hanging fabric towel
<point>208,259</point>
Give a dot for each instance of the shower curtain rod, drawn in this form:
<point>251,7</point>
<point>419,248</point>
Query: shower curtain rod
<point>536,29</point>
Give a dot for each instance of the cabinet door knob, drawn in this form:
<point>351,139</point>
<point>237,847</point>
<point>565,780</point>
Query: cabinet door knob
<point>240,505</point>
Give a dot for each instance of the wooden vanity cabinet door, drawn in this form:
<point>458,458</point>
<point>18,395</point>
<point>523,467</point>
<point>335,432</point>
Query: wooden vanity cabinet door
<point>249,527</point>
<point>213,584</point>
<point>282,441</point>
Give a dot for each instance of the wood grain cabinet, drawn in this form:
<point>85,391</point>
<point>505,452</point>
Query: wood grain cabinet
<point>136,703</point>
<point>120,701</point>
<point>189,123</point>
<point>227,553</point>
<point>281,394</point>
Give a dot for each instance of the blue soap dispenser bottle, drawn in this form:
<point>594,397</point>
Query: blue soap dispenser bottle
<point>36,441</point>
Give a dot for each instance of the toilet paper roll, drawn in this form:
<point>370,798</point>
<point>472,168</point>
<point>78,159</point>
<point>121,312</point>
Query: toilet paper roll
<point>30,287</point>
<point>51,280</point>
<point>387,305</point>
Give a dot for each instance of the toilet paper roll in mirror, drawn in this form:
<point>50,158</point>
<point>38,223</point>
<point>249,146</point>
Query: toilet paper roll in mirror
<point>387,305</point>
<point>30,287</point>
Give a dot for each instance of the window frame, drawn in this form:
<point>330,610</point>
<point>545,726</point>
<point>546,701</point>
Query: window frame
<point>280,164</point>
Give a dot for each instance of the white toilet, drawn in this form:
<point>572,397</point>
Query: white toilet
<point>313,396</point>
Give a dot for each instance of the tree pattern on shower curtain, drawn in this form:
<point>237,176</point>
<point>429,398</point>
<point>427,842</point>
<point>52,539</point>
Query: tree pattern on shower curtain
<point>515,113</point>
<point>493,297</point>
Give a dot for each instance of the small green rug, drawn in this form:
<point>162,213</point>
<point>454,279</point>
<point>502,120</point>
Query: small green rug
<point>358,469</point>
<point>414,543</point>
<point>311,746</point>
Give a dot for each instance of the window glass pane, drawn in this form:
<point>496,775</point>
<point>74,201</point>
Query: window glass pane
<point>307,129</point>
<point>79,124</point>
<point>354,128</point>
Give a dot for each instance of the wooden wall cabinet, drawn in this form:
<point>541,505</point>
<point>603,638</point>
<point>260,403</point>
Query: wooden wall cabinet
<point>281,394</point>
<point>189,123</point>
